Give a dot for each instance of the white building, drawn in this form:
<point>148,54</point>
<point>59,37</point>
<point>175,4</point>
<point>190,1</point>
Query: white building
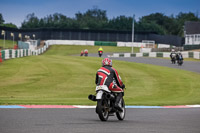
<point>192,33</point>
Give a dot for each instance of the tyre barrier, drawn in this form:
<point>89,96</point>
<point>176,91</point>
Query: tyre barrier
<point>18,53</point>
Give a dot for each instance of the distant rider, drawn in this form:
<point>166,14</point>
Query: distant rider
<point>179,57</point>
<point>86,52</point>
<point>108,76</point>
<point>100,51</point>
<point>173,56</point>
<point>82,53</point>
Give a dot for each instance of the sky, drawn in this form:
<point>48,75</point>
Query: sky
<point>15,11</point>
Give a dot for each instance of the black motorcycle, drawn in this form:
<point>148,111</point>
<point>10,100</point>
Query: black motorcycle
<point>180,62</point>
<point>179,59</point>
<point>105,103</point>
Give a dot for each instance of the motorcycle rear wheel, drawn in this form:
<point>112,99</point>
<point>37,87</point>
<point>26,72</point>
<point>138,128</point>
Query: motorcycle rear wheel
<point>121,115</point>
<point>102,110</point>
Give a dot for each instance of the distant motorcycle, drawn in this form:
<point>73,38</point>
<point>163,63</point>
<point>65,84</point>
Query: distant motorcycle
<point>100,53</point>
<point>179,59</point>
<point>180,62</point>
<point>105,103</point>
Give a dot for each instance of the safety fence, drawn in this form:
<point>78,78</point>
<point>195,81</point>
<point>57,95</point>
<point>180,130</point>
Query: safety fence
<point>195,55</point>
<point>11,53</point>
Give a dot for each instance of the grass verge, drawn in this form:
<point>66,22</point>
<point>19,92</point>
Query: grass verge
<point>58,78</point>
<point>8,44</point>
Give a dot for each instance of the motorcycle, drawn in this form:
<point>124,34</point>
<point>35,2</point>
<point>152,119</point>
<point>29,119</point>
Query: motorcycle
<point>100,53</point>
<point>105,103</point>
<point>180,62</point>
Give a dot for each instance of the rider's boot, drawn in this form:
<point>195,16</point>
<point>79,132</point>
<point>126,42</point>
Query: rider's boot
<point>118,98</point>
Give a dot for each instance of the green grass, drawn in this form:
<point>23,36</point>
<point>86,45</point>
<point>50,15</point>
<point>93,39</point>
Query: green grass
<point>8,43</point>
<point>58,78</point>
<point>71,50</point>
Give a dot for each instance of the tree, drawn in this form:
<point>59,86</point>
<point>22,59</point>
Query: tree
<point>120,23</point>
<point>31,21</point>
<point>92,19</point>
<point>182,18</point>
<point>11,25</point>
<point>97,19</point>
<point>1,19</point>
<point>149,27</point>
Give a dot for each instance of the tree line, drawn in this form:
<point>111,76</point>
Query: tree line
<point>96,19</point>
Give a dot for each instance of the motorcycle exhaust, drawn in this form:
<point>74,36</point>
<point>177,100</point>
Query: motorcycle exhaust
<point>110,96</point>
<point>92,97</point>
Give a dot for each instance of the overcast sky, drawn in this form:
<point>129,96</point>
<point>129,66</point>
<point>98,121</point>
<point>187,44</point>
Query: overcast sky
<point>15,11</point>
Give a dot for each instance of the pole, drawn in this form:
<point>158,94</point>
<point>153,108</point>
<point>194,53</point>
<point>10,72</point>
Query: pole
<point>4,40</point>
<point>3,33</point>
<point>133,32</point>
<point>34,36</point>
<point>13,40</point>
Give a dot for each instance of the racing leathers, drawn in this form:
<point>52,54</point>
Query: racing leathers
<point>108,76</point>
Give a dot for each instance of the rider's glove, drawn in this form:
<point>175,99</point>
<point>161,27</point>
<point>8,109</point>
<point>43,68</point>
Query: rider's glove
<point>123,86</point>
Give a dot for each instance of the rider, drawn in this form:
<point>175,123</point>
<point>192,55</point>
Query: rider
<point>82,53</point>
<point>100,50</point>
<point>86,52</point>
<point>108,76</point>
<point>173,54</point>
<point>179,56</point>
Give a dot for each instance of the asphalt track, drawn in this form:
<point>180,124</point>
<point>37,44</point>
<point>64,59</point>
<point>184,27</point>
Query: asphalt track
<point>86,121</point>
<point>193,66</point>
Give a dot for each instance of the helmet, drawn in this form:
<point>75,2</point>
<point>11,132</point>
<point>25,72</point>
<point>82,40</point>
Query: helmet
<point>106,62</point>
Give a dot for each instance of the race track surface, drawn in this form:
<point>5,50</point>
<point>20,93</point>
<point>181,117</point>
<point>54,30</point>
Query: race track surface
<point>193,66</point>
<point>86,121</point>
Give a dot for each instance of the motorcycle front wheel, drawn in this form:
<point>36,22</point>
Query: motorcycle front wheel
<point>121,114</point>
<point>102,110</point>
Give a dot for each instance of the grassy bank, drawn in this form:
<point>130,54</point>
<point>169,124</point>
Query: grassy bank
<point>58,78</point>
<point>8,44</point>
